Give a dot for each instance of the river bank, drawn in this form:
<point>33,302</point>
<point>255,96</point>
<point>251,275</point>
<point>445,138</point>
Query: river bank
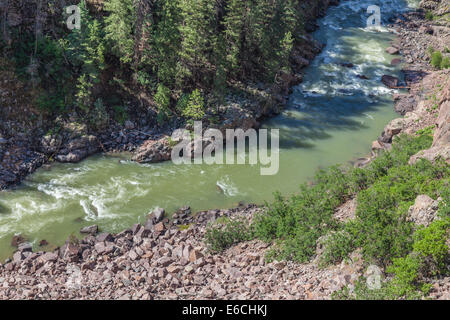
<point>167,261</point>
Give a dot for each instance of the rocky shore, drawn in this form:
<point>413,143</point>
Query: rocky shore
<point>166,260</point>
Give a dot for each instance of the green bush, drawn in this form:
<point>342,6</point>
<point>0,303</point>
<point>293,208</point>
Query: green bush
<point>195,106</point>
<point>226,232</point>
<point>429,15</point>
<point>430,244</point>
<point>162,99</point>
<point>445,64</point>
<point>299,221</point>
<point>120,114</point>
<point>436,59</point>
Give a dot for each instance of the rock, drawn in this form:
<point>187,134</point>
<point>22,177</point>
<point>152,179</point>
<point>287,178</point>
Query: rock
<point>405,103</point>
<point>377,145</point>
<point>103,237</point>
<point>78,149</point>
<point>173,269</point>
<point>432,154</point>
<point>92,230</point>
<point>390,81</point>
<point>396,62</point>
<point>103,248</point>
<point>347,64</point>
<point>157,215</point>
<point>70,251</point>
<point>392,129</point>
<point>362,76</point>
<point>392,50</point>
<point>18,256</point>
<point>159,227</point>
<point>153,151</point>
<point>442,133</point>
<point>17,239</point>
<point>48,257</point>
<point>195,255</point>
<point>43,243</point>
<point>300,61</point>
<point>50,144</point>
<point>279,265</point>
<point>426,29</point>
<point>129,125</point>
<point>424,211</point>
<point>347,211</point>
<point>25,247</point>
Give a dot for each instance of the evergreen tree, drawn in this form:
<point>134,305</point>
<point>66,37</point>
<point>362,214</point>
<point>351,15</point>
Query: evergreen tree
<point>120,28</point>
<point>165,42</point>
<point>198,33</point>
<point>85,50</point>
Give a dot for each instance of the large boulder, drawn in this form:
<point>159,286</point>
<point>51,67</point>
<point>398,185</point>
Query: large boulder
<point>390,81</point>
<point>394,128</point>
<point>153,151</point>
<point>78,149</point>
<point>392,50</point>
<point>432,154</point>
<point>424,211</point>
<point>442,133</point>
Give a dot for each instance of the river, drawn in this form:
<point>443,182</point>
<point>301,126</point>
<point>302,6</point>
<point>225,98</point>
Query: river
<point>332,118</point>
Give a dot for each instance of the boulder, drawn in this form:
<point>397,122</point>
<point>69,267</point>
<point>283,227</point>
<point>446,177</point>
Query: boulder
<point>442,133</point>
<point>78,149</point>
<point>392,50</point>
<point>43,243</point>
<point>25,247</point>
<point>92,230</point>
<point>50,144</point>
<point>48,257</point>
<point>396,62</point>
<point>424,211</point>
<point>103,237</point>
<point>157,215</point>
<point>129,125</point>
<point>390,81</point>
<point>405,103</point>
<point>432,154</point>
<point>392,129</point>
<point>153,151</point>
<point>17,239</point>
<point>347,64</point>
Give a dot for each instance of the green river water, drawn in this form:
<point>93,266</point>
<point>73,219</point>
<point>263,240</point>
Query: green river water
<point>332,118</point>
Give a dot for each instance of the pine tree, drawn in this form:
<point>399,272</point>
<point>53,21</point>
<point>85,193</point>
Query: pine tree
<point>120,28</point>
<point>165,42</point>
<point>234,23</point>
<point>198,33</point>
<point>85,50</point>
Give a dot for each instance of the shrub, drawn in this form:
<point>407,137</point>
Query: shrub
<point>162,99</point>
<point>195,106</point>
<point>445,64</point>
<point>430,244</point>
<point>299,221</point>
<point>227,232</point>
<point>429,15</point>
<point>120,114</point>
<point>436,59</point>
<point>99,118</point>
